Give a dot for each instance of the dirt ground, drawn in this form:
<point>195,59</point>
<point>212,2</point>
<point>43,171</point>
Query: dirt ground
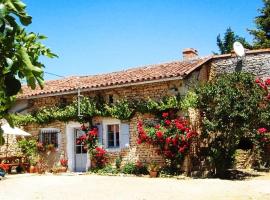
<point>74,186</point>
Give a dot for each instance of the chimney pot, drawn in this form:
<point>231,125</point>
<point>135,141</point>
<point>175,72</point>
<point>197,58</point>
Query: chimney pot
<point>189,53</point>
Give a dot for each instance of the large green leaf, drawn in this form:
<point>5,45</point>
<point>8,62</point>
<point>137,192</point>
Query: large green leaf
<point>13,85</point>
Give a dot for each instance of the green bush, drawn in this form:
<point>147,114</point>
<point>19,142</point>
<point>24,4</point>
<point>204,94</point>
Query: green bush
<point>129,168</point>
<point>107,170</point>
<point>137,168</point>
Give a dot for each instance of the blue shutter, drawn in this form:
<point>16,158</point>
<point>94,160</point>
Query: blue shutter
<point>59,135</point>
<point>124,136</point>
<point>100,134</point>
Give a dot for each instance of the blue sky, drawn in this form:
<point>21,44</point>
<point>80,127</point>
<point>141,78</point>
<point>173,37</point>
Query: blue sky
<point>99,36</point>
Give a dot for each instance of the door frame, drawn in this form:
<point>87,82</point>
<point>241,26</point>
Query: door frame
<point>70,127</point>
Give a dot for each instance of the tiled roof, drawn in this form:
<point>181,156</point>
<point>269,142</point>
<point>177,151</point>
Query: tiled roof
<point>158,72</point>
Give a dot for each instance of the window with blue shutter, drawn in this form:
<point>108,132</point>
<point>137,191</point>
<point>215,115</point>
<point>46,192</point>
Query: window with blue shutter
<point>124,135</point>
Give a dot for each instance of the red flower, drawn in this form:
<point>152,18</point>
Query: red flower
<point>264,139</point>
<point>157,126</point>
<point>262,130</point>
<point>267,81</point>
<point>159,134</point>
<point>64,162</point>
<point>175,141</point>
<point>257,80</point>
<point>139,141</point>
<point>189,134</point>
<point>181,150</point>
<point>83,127</point>
<point>167,122</point>
<point>179,125</point>
<point>263,86</point>
<point>165,115</point>
<point>140,123</point>
<point>93,132</point>
<point>168,140</point>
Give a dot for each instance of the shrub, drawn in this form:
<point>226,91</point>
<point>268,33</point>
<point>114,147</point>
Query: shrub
<point>232,106</point>
<point>129,168</point>
<point>106,170</point>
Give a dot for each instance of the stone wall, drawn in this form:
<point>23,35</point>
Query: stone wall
<point>10,148</point>
<point>52,157</point>
<point>255,63</point>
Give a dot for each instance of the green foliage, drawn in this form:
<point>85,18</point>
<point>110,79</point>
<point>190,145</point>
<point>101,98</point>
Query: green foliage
<point>118,161</point>
<point>129,168</point>
<point>151,106</point>
<point>29,148</point>
<point>189,101</point>
<point>120,110</point>
<point>137,168</point>
<point>232,107</point>
<point>262,32</point>
<point>20,52</point>
<point>90,107</point>
<point>225,45</point>
<point>106,170</point>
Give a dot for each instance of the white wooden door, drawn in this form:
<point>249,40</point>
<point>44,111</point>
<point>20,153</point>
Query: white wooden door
<point>80,153</point>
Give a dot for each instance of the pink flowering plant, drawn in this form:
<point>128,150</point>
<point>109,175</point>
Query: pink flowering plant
<point>171,135</point>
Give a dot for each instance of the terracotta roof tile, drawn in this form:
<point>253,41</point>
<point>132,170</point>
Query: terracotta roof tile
<point>176,69</point>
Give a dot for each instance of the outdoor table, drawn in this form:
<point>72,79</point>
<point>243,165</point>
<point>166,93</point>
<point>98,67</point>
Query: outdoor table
<point>15,161</point>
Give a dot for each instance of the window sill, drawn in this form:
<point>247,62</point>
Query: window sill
<point>117,149</point>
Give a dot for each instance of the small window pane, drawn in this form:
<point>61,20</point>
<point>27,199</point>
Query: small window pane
<point>78,149</point>
<point>50,138</point>
<point>117,139</point>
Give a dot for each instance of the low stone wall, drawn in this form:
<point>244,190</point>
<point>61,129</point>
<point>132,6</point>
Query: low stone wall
<point>10,148</point>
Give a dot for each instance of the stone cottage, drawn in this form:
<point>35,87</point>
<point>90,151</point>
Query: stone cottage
<point>154,81</point>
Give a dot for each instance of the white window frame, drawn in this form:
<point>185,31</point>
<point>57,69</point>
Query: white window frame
<point>105,123</point>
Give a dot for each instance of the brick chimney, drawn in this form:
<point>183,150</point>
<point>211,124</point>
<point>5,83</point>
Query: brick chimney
<point>189,53</point>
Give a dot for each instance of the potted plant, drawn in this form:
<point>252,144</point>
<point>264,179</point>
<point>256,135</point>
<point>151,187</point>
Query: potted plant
<point>153,169</point>
<point>29,147</point>
<point>64,164</point>
<point>33,163</point>
<point>50,147</point>
<point>41,165</point>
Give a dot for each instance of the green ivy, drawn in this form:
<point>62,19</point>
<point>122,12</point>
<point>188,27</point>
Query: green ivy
<point>90,107</point>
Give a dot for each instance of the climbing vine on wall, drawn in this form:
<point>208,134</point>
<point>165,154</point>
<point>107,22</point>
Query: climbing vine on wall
<point>90,107</point>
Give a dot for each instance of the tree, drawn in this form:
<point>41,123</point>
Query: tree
<point>19,54</point>
<point>233,106</point>
<point>262,32</point>
<point>225,45</point>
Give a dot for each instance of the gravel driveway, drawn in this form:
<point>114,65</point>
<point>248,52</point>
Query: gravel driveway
<point>58,187</point>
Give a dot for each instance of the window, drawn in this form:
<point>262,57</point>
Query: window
<point>110,99</point>
<point>79,147</point>
<point>113,135</point>
<point>49,136</point>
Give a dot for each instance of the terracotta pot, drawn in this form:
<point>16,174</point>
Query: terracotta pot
<point>153,174</point>
<point>63,169</point>
<point>32,169</point>
<point>93,164</point>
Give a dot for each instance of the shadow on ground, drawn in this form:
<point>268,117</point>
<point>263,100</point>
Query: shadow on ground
<point>234,174</point>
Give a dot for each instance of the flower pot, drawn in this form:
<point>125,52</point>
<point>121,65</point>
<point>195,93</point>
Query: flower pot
<point>63,169</point>
<point>153,174</point>
<point>32,169</point>
<point>93,164</point>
